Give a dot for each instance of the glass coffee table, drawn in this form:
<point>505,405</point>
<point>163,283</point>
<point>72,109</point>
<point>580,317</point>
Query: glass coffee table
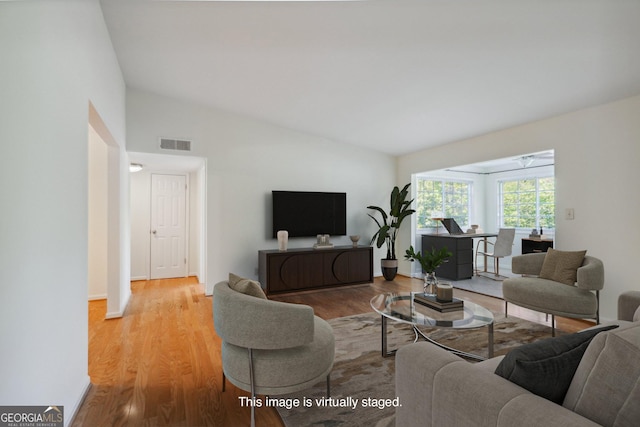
<point>402,307</point>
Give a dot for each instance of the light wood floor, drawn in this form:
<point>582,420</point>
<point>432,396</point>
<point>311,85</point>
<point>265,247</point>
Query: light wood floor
<point>160,364</point>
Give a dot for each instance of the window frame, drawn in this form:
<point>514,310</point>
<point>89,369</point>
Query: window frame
<point>444,181</point>
<point>538,216</point>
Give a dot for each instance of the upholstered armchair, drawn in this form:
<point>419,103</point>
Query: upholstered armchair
<point>270,347</point>
<point>568,294</point>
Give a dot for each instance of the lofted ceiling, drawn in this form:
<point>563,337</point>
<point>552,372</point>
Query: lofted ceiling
<point>395,76</point>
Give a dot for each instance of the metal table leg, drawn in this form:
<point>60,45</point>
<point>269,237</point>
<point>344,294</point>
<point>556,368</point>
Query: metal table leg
<point>386,353</point>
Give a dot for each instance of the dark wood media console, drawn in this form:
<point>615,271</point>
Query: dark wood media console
<point>302,269</point>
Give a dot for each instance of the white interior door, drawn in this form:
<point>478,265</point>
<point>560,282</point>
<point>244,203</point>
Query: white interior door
<point>168,226</point>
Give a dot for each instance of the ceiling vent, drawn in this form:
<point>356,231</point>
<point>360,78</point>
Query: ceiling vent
<point>175,144</point>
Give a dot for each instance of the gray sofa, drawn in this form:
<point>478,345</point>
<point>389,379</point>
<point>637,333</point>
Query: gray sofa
<point>437,388</point>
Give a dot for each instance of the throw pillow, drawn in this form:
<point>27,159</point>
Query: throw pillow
<point>246,286</point>
<point>546,367</point>
<point>562,266</point>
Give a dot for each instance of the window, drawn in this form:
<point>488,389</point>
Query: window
<point>452,198</point>
<point>528,203</point>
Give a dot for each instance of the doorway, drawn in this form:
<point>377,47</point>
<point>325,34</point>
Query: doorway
<point>149,262</point>
<point>113,248</point>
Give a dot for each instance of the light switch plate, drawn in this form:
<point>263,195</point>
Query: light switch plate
<point>569,214</point>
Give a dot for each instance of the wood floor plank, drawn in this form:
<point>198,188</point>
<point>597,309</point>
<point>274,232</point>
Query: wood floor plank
<point>160,364</point>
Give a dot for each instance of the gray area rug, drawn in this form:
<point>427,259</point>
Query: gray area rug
<point>361,377</point>
<point>483,283</point>
<point>479,285</point>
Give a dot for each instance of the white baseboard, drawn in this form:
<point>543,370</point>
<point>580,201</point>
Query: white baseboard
<point>74,411</point>
<point>97,297</point>
<point>114,315</point>
<point>136,278</point>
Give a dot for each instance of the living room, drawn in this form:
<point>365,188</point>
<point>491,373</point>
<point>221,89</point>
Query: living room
<point>59,58</point>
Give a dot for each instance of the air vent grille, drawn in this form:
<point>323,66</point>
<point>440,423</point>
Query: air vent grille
<point>175,144</point>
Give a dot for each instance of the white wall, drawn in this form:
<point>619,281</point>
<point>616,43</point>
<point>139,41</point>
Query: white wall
<point>97,216</point>
<point>56,58</point>
<point>246,160</point>
<point>597,151</point>
<point>140,188</point>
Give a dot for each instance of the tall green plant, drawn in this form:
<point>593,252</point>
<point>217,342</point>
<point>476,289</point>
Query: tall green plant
<point>399,209</point>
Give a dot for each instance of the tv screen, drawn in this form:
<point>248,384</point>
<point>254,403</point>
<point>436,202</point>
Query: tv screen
<point>307,214</point>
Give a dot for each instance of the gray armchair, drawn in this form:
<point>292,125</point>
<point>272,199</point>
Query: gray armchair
<point>270,347</point>
<point>580,300</point>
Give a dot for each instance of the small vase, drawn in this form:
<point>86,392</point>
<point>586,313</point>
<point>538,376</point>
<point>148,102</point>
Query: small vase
<point>430,283</point>
<point>283,240</point>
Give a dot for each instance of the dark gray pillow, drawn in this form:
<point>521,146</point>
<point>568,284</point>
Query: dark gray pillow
<point>546,367</point>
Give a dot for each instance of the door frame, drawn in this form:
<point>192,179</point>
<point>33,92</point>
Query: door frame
<point>172,165</point>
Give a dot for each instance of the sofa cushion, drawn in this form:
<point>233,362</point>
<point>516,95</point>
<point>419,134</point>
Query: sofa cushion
<point>562,266</point>
<point>546,367</point>
<point>606,385</point>
<point>246,286</point>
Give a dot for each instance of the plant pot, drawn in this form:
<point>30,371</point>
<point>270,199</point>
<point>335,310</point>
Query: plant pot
<point>389,268</point>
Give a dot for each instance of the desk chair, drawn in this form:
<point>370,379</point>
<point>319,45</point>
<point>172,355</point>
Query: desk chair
<point>502,247</point>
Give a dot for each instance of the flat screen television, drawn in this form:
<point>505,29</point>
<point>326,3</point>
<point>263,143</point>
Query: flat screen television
<point>308,213</point>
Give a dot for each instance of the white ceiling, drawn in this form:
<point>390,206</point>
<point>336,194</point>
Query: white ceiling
<point>392,75</point>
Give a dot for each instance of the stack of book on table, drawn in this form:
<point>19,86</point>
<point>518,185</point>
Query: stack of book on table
<point>432,302</point>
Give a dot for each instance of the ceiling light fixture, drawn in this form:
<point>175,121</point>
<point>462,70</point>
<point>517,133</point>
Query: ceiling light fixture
<point>525,161</point>
<point>135,167</point>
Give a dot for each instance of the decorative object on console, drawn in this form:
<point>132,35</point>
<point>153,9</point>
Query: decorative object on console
<point>283,239</point>
<point>399,209</point>
<point>475,229</point>
<point>323,242</point>
<point>429,261</point>
<point>354,239</point>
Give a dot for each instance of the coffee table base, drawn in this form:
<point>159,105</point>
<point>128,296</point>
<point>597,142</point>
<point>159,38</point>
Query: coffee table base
<point>419,334</point>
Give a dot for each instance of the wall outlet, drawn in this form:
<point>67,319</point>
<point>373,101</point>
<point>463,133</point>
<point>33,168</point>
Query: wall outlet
<point>569,214</point>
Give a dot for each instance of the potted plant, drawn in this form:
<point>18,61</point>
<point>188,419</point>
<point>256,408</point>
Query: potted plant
<point>429,261</point>
<point>399,209</point>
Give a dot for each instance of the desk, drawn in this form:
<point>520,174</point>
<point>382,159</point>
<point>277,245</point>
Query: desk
<point>460,264</point>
